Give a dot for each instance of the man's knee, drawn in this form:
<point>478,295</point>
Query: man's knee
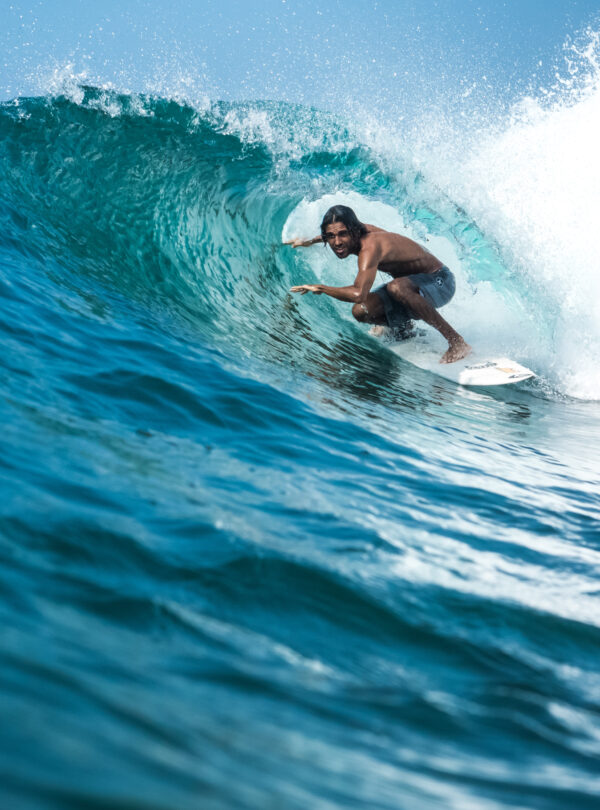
<point>360,312</point>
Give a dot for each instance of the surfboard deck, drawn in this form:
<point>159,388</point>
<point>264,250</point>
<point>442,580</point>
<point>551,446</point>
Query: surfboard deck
<point>473,370</point>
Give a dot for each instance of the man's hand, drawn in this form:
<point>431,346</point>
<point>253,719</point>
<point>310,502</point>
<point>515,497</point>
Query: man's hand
<point>304,288</point>
<point>297,242</point>
<point>456,351</point>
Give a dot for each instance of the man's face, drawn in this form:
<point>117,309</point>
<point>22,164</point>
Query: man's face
<point>339,239</point>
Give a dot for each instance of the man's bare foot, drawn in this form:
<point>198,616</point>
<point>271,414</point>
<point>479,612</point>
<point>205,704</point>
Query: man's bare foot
<point>456,351</point>
<point>379,331</point>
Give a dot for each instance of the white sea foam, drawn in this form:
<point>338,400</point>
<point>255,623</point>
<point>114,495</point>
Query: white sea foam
<point>533,186</point>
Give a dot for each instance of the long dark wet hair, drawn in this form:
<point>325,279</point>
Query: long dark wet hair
<point>345,215</point>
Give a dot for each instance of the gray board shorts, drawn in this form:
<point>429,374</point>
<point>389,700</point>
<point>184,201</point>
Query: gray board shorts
<point>436,288</point>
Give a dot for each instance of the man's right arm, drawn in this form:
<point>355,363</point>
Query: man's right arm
<point>297,242</point>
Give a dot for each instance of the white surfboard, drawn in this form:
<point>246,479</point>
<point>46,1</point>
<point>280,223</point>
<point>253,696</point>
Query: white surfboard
<point>474,369</point>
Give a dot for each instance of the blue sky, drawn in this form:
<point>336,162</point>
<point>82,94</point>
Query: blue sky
<point>297,50</point>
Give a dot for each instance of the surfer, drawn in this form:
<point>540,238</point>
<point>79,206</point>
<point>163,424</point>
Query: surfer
<point>420,282</point>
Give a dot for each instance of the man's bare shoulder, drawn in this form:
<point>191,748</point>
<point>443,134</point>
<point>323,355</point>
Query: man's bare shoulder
<point>371,244</point>
<point>383,240</point>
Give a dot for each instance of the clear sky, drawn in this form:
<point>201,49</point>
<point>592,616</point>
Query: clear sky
<point>297,50</point>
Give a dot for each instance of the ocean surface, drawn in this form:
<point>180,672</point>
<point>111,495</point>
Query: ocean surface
<point>249,557</point>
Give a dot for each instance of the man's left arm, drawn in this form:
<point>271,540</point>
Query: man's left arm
<point>352,294</point>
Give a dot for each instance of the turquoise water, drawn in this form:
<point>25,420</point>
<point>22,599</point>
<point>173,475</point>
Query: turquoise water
<point>249,557</point>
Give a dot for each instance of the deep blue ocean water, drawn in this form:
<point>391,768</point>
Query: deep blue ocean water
<point>250,558</point>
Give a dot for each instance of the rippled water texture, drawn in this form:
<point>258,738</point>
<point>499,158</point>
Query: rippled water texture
<point>250,558</point>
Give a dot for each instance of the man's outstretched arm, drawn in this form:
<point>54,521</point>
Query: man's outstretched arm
<point>298,242</point>
<point>355,293</point>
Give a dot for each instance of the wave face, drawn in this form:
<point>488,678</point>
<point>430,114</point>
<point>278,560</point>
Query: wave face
<point>249,556</point>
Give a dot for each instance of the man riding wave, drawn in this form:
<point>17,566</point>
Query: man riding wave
<point>420,282</point>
